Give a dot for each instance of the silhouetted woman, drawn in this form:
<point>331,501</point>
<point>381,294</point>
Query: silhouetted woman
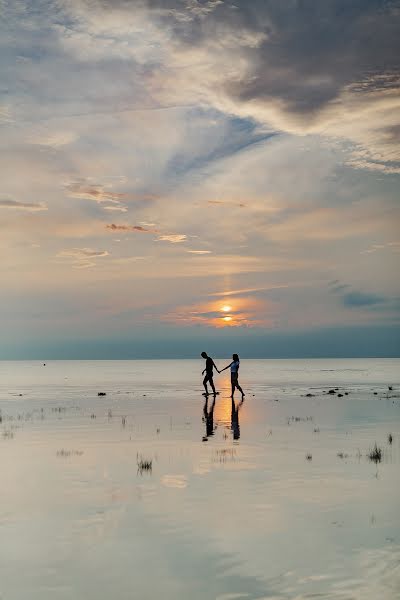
<point>234,366</point>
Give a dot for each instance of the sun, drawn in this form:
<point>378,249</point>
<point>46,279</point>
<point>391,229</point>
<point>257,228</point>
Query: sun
<point>227,319</point>
<point>226,308</point>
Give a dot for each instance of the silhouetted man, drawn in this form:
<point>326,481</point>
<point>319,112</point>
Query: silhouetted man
<point>209,373</point>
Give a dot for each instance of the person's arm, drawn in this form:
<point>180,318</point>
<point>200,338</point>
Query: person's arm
<point>216,368</point>
<point>227,367</point>
<point>203,372</point>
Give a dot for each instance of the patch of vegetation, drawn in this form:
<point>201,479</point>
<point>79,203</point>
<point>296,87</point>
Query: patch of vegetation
<point>144,465</point>
<point>375,455</point>
<point>225,454</point>
<point>342,455</point>
<point>66,453</point>
<point>298,419</point>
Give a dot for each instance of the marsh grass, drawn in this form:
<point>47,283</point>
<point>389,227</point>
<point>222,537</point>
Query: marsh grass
<point>144,465</point>
<point>342,455</point>
<point>66,453</point>
<point>375,455</point>
<point>224,455</point>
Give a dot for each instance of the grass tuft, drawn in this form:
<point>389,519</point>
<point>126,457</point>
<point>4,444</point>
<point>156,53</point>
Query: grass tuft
<point>375,455</point>
<point>144,465</point>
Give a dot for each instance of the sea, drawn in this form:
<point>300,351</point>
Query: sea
<point>120,480</point>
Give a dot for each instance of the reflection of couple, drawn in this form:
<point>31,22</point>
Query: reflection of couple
<point>209,371</point>
<point>208,419</point>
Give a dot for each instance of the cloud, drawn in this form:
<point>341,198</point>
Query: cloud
<point>393,246</point>
<point>173,238</point>
<point>5,114</point>
<point>356,299</point>
<point>98,193</point>
<point>244,312</point>
<point>199,252</point>
<point>226,203</point>
<point>82,258</point>
<point>249,290</point>
<point>116,208</point>
<point>24,206</point>
<point>138,228</point>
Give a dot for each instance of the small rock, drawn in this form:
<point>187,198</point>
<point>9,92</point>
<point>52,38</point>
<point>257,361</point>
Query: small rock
<point>340,395</point>
<point>309,395</point>
<point>331,392</point>
<point>101,394</point>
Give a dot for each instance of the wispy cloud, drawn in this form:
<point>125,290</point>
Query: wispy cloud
<point>356,299</point>
<point>226,203</point>
<point>173,238</point>
<point>97,193</point>
<point>138,228</point>
<point>82,258</point>
<point>249,290</point>
<point>393,246</point>
<point>25,206</point>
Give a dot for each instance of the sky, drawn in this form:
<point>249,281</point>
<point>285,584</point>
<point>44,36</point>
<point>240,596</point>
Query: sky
<point>188,175</point>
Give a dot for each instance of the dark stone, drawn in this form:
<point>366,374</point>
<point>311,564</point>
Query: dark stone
<point>331,392</point>
<point>101,394</point>
<point>309,395</point>
<point>340,395</point>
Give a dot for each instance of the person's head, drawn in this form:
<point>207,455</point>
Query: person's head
<point>235,357</point>
<point>204,354</point>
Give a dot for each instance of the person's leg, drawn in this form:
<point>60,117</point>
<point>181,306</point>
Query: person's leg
<point>239,388</point>
<point>205,383</point>
<point>211,380</point>
<point>233,384</point>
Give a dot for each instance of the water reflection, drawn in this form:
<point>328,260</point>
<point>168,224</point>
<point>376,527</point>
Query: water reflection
<point>229,422</point>
<point>208,418</point>
<point>235,426</point>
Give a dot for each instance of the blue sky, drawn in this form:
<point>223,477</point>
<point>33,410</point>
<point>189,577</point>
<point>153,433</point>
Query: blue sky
<point>191,172</point>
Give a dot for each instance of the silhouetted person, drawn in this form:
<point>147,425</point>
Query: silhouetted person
<point>234,366</point>
<point>209,419</point>
<point>209,372</point>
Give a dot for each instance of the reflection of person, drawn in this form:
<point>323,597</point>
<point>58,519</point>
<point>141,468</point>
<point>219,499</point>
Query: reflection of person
<point>208,419</point>
<point>209,373</point>
<point>234,366</point>
<point>235,419</point>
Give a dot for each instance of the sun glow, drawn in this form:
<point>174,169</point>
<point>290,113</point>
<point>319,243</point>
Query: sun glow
<point>227,318</point>
<point>226,308</point>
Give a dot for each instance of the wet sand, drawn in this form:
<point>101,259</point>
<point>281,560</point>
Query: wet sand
<point>149,492</point>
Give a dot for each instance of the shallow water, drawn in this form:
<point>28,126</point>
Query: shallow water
<point>231,508</point>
